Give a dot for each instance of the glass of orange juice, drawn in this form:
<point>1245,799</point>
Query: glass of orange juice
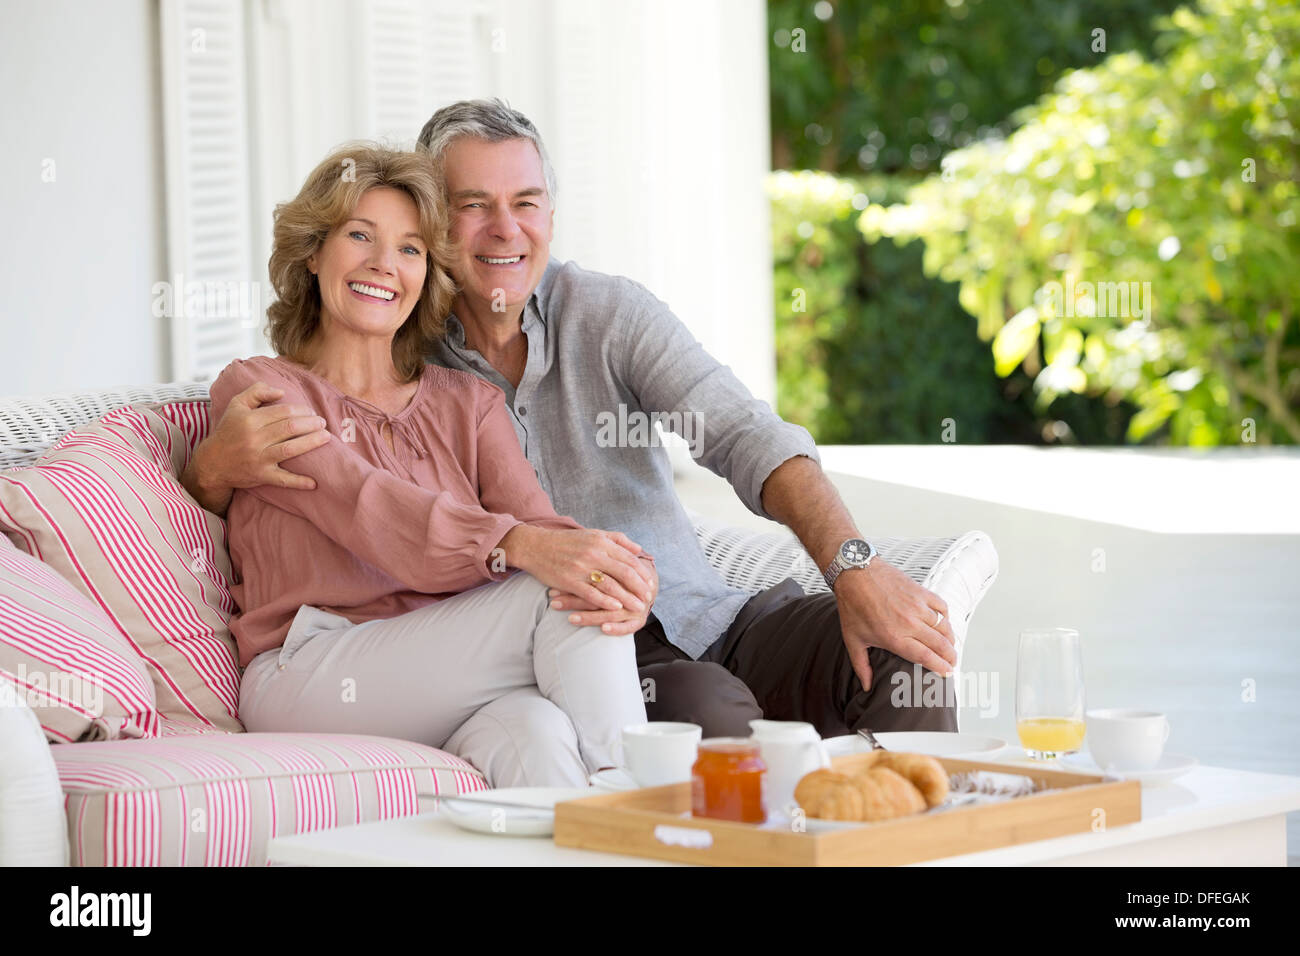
<point>1049,692</point>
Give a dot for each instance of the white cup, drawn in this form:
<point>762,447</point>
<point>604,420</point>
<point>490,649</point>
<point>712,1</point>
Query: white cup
<point>1126,739</point>
<point>790,749</point>
<point>660,752</point>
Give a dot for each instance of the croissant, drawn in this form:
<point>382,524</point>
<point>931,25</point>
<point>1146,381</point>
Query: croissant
<point>924,772</point>
<point>882,785</point>
<point>886,795</point>
<point>828,795</point>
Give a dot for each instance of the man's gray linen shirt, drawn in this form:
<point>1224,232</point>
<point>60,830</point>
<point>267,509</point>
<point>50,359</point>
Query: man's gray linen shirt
<point>595,343</point>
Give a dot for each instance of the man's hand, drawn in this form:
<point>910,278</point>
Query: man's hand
<point>880,606</point>
<point>246,447</point>
<point>564,559</point>
<point>587,614</point>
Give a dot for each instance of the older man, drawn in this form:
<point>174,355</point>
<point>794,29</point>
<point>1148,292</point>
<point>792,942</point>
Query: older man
<point>572,349</point>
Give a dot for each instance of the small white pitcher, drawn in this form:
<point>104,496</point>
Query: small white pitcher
<point>790,749</point>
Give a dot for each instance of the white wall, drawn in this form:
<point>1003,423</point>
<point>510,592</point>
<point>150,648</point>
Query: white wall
<point>670,124</point>
<point>79,255</point>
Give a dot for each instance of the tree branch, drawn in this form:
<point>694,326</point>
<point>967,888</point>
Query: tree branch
<point>1240,383</point>
<point>1270,398</point>
<point>1271,353</point>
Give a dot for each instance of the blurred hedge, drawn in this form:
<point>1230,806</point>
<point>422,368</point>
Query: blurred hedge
<point>1176,178</point>
<point>871,350</point>
<point>883,352</point>
<point>888,87</point>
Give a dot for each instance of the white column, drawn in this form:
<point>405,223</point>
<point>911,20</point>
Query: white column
<point>659,133</point>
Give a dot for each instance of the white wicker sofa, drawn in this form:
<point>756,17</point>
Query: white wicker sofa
<point>191,795</point>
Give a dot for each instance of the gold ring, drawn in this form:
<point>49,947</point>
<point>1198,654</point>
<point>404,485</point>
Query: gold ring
<point>595,577</point>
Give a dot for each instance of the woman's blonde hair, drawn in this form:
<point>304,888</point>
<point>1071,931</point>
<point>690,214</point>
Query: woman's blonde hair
<point>328,199</point>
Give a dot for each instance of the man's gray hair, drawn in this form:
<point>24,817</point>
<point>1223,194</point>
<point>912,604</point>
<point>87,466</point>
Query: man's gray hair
<point>492,120</point>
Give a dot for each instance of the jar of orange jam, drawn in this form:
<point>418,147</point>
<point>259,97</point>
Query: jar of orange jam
<point>727,780</point>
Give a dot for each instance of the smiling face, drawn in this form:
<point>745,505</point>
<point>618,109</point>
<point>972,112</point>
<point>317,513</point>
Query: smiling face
<point>371,268</point>
<point>502,220</point>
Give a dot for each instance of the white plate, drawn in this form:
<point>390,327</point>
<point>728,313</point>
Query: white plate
<point>1169,767</point>
<point>613,780</point>
<point>481,811</point>
<point>932,742</point>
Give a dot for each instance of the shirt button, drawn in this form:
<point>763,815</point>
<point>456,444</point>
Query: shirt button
<point>522,410</point>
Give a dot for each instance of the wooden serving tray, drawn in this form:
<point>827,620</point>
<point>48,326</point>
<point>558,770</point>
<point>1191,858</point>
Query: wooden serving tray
<point>656,822</point>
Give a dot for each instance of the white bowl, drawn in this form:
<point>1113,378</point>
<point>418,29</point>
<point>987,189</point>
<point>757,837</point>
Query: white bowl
<point>933,742</point>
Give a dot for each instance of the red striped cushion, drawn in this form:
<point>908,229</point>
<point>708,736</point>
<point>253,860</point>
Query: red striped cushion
<point>64,656</point>
<point>215,800</point>
<point>104,509</point>
<point>191,417</point>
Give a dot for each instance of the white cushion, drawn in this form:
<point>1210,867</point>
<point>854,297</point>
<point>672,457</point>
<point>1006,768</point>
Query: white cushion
<point>33,830</point>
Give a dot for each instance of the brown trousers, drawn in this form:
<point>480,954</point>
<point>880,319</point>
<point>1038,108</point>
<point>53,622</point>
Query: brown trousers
<point>784,658</point>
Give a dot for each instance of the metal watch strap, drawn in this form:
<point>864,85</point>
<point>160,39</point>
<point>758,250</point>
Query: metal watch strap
<point>838,565</point>
<point>833,571</point>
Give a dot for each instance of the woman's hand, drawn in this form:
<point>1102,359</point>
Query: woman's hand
<point>611,622</point>
<point>567,560</point>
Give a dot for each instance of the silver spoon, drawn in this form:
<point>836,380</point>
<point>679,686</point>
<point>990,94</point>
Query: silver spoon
<point>870,738</point>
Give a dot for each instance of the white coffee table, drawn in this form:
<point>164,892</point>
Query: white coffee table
<point>1209,817</point>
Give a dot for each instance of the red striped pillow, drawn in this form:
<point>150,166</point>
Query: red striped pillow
<point>63,655</point>
<point>103,507</point>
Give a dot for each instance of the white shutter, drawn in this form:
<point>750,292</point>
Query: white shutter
<point>578,140</point>
<point>420,55</point>
<point>456,51</point>
<point>394,52</point>
<point>205,137</point>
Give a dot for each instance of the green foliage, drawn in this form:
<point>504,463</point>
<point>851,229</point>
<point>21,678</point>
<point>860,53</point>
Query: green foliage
<point>869,349</point>
<point>1181,174</point>
<point>893,86</point>
<point>883,352</point>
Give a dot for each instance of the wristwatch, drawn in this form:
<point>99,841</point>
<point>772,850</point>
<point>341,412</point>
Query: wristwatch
<point>853,553</point>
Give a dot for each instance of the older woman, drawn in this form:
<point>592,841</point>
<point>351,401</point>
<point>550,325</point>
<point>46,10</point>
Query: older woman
<point>383,601</point>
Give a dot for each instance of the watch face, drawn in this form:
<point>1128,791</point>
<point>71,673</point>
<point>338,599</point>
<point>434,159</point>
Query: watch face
<point>855,551</point>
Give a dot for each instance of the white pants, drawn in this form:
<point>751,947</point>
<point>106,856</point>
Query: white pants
<point>493,675</point>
